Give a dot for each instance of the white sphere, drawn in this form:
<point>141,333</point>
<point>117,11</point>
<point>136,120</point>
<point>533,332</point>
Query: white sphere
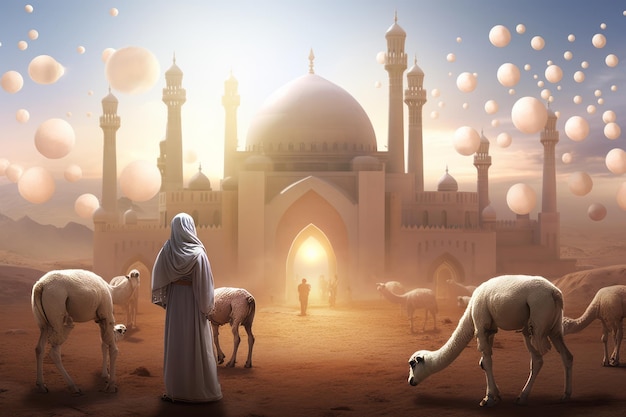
<point>450,57</point>
<point>580,183</point>
<point>381,57</point>
<point>466,82</point>
<point>491,106</point>
<point>521,198</point>
<point>609,116</point>
<point>44,69</point>
<point>12,82</point>
<point>73,173</point>
<point>612,130</point>
<point>499,36</point>
<point>579,76</point>
<point>132,70</point>
<point>529,115</point>
<point>466,140</point>
<point>54,138</point>
<point>596,212</point>
<point>520,29</point>
<point>615,161</point>
<point>577,128</point>
<point>537,43</point>
<point>504,140</point>
<point>36,185</point>
<point>22,115</point>
<point>554,73</point>
<point>611,60</point>
<point>140,180</point>
<point>566,158</point>
<point>85,205</point>
<point>598,40</point>
<point>508,74</point>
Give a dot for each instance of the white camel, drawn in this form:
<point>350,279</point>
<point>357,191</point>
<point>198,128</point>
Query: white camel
<point>413,300</point>
<point>609,306</point>
<point>237,307</point>
<point>125,292</point>
<point>60,298</point>
<point>394,287</point>
<point>509,302</point>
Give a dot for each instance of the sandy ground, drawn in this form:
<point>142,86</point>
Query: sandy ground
<point>346,361</point>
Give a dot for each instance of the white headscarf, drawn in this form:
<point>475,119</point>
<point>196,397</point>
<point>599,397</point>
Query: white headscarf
<point>183,256</point>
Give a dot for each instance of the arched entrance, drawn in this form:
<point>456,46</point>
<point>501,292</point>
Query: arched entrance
<point>445,268</point>
<point>310,256</point>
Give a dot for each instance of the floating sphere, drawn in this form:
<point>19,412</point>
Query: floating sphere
<point>377,84</point>
<point>22,116</point>
<point>44,69</point>
<point>495,123</point>
<point>435,92</point>
<point>36,185</point>
<point>459,39</point>
<point>491,106</point>
<point>609,116</point>
<point>621,196</point>
<point>598,40</point>
<point>612,130</point>
<point>571,38</point>
<point>611,60</point>
<point>566,158</point>
<point>28,8</point>
<point>596,212</point>
<point>22,45</point>
<point>80,50</point>
<point>568,55</point>
<point>12,82</point>
<point>554,73</point>
<point>520,29</point>
<point>466,82</point>
<point>578,99</point>
<point>521,199</point>
<point>579,76</point>
<point>597,93</point>
<point>584,64</point>
<point>33,34</point>
<point>613,87</point>
<point>499,36</point>
<point>106,54</point>
<point>85,205</point>
<point>381,57</point>
<point>527,67</point>
<point>450,57</point>
<point>546,94</point>
<point>132,70</point>
<point>577,128</point>
<point>140,180</point>
<point>529,115</point>
<point>615,161</point>
<point>466,140</point>
<point>73,173</point>
<point>434,114</point>
<point>591,109</point>
<point>508,74</point>
<point>54,138</point>
<point>113,12</point>
<point>504,140</point>
<point>537,43</point>
<point>580,183</point>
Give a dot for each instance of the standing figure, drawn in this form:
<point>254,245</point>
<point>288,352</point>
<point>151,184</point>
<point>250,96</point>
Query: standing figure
<point>303,291</point>
<point>182,283</point>
<point>332,291</point>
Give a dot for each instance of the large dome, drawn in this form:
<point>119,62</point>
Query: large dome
<point>311,114</point>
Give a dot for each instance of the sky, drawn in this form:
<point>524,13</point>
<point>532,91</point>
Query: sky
<point>266,44</point>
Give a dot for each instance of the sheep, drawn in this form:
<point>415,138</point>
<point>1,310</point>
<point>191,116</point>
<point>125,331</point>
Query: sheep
<point>125,292</point>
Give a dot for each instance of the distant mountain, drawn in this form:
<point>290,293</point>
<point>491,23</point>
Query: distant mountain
<point>30,239</point>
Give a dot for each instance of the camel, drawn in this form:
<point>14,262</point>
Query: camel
<point>413,300</point>
<point>609,306</point>
<point>62,297</point>
<point>394,287</point>
<point>237,307</point>
<point>531,304</point>
<point>457,289</point>
<point>125,292</point>
<point>462,301</point>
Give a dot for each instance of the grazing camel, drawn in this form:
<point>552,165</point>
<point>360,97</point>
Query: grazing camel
<point>237,307</point>
<point>125,292</point>
<point>457,289</point>
<point>60,298</point>
<point>394,287</point>
<point>509,302</point>
<point>608,305</point>
<point>413,300</point>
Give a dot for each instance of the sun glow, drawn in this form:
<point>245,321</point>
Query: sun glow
<point>311,250</point>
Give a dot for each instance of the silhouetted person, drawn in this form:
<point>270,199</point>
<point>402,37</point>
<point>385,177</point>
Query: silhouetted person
<point>303,291</point>
<point>332,291</point>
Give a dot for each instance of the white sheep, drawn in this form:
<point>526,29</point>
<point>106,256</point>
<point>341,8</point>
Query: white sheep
<point>60,298</point>
<point>125,292</point>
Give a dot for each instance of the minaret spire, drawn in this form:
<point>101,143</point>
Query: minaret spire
<point>415,98</point>
<point>230,101</point>
<point>174,96</point>
<point>110,123</point>
<point>311,59</point>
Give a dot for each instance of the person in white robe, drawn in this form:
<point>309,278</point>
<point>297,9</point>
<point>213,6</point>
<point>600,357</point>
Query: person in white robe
<point>182,283</point>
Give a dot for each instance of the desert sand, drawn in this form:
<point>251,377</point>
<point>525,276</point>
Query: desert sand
<point>347,361</point>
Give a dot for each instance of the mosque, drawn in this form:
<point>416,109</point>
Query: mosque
<point>311,172</point>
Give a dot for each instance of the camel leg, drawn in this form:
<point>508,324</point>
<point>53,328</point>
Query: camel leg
<point>619,334</point>
<point>236,340</point>
<point>39,352</point>
<point>536,363</point>
<point>55,355</point>
<point>604,338</point>
<point>108,347</point>
<point>216,336</point>
<point>568,360</point>
<point>248,328</point>
<point>485,346</point>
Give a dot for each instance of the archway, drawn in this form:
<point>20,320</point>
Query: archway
<point>311,256</point>
<point>445,268</point>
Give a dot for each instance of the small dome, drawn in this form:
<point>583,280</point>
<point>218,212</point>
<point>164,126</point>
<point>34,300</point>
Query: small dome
<point>366,163</point>
<point>230,184</point>
<point>447,183</point>
<point>414,70</point>
<point>100,215</point>
<point>174,69</point>
<point>395,29</point>
<point>130,217</point>
<point>489,214</point>
<point>199,181</point>
<point>110,98</point>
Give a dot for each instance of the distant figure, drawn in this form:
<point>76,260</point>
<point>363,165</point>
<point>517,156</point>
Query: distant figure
<point>332,291</point>
<point>182,283</point>
<point>323,287</point>
<point>303,291</point>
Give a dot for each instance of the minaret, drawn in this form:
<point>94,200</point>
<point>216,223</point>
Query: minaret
<point>549,218</point>
<point>109,122</point>
<point>230,101</point>
<point>415,98</point>
<point>174,96</point>
<point>482,162</point>
<point>395,65</point>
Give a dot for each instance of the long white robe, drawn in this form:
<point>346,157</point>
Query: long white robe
<point>189,365</point>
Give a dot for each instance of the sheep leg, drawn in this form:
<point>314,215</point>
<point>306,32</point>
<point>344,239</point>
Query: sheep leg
<point>604,338</point>
<point>55,355</point>
<point>216,336</point>
<point>39,351</point>
<point>236,340</point>
<point>619,334</point>
<point>248,328</point>
<point>536,363</point>
<point>485,346</point>
<point>108,346</point>
<point>568,360</point>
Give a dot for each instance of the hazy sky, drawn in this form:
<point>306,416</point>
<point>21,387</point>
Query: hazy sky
<point>266,44</point>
